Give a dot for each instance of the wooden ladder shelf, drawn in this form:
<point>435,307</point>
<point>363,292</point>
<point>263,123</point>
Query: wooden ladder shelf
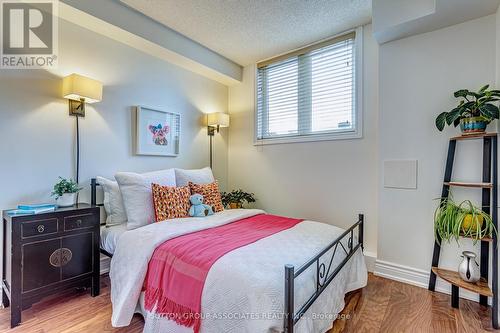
<point>488,186</point>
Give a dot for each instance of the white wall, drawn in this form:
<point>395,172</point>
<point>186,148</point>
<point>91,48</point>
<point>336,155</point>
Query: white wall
<point>37,135</point>
<point>403,18</point>
<point>498,47</point>
<point>330,181</point>
<point>388,13</point>
<point>418,76</point>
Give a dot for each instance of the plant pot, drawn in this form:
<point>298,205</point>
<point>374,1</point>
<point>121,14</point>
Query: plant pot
<point>66,200</point>
<point>473,125</point>
<point>235,205</point>
<point>472,224</point>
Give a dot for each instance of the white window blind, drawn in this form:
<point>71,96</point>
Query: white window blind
<point>309,92</point>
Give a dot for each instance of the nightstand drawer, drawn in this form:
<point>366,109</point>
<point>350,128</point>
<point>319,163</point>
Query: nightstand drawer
<point>38,228</point>
<point>76,222</point>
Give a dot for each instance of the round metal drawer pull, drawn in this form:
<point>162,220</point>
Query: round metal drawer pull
<point>60,257</point>
<point>66,256</point>
<point>40,228</point>
<point>55,258</point>
<point>78,223</point>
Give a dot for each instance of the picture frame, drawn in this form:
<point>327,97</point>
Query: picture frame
<point>157,132</point>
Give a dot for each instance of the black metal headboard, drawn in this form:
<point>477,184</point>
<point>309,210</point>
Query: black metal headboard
<point>93,192</point>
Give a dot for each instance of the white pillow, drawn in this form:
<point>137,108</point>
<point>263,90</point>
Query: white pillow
<point>137,195</point>
<point>113,202</point>
<point>197,176</point>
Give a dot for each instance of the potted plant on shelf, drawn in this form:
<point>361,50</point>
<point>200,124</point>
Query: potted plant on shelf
<point>236,198</point>
<point>65,192</point>
<point>452,220</point>
<point>474,112</point>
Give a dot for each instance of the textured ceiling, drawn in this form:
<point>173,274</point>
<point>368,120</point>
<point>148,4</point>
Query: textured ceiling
<point>247,31</point>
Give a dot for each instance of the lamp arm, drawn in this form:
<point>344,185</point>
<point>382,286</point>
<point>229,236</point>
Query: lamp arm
<point>211,136</point>
<point>77,150</point>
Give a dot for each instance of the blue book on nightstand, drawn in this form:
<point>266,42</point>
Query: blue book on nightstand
<point>38,206</point>
<point>32,209</point>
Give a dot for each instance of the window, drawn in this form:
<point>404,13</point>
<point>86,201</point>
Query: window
<point>309,94</point>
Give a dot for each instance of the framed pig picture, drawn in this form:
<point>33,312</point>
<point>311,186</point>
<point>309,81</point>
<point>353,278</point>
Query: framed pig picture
<point>157,132</point>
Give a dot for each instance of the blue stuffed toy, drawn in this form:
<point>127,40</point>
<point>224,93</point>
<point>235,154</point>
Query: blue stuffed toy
<point>198,208</point>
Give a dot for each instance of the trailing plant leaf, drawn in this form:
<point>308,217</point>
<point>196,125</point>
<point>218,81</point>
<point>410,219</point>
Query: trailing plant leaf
<point>489,111</point>
<point>441,121</point>
<point>484,88</point>
<point>449,221</point>
<point>452,115</point>
<point>461,93</point>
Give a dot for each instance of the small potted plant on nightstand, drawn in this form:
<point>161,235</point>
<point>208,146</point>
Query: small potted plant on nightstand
<point>474,112</point>
<point>65,192</point>
<point>236,198</point>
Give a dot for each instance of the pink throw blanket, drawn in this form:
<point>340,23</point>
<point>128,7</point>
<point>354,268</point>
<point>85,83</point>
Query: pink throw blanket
<point>178,268</point>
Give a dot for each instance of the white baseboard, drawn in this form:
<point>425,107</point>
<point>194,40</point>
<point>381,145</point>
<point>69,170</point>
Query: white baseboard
<point>370,259</point>
<point>417,277</point>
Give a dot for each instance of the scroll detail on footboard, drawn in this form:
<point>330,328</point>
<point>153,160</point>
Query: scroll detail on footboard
<point>325,273</point>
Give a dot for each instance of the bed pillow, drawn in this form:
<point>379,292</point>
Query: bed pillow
<point>113,202</point>
<point>170,202</point>
<point>137,195</point>
<point>211,194</point>
<point>197,176</point>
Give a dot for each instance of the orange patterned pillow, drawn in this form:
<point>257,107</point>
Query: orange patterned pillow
<point>170,202</point>
<point>211,194</point>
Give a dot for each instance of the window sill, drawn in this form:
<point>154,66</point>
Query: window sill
<point>310,138</point>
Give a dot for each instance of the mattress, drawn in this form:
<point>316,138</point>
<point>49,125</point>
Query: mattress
<point>110,236</point>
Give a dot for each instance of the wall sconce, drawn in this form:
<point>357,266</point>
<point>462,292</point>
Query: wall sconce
<point>214,122</point>
<point>80,90</point>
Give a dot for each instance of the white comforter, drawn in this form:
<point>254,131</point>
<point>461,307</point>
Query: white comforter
<point>244,289</point>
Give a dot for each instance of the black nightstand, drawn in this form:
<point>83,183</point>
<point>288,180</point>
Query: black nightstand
<point>46,253</point>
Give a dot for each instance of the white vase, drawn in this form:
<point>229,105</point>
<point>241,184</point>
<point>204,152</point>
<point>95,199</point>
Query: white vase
<point>66,200</point>
<point>468,268</point>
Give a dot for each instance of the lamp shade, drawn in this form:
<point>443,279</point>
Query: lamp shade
<point>219,119</point>
<point>77,87</point>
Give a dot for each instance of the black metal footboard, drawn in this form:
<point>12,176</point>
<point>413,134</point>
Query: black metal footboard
<point>324,275</point>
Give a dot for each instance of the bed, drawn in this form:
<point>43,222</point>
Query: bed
<point>109,238</point>
<point>292,281</point>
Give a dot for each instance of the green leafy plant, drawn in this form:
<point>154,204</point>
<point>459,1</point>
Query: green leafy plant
<point>237,197</point>
<point>65,186</point>
<point>452,221</point>
<point>472,104</point>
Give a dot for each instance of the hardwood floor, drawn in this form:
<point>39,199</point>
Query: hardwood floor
<point>383,306</point>
<point>390,306</point>
<point>74,311</point>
